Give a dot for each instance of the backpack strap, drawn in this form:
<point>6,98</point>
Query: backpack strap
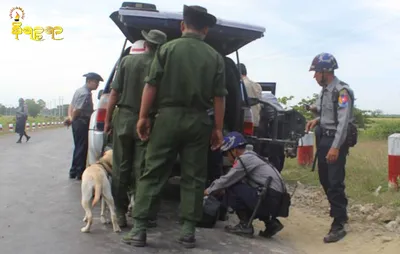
<point>335,99</point>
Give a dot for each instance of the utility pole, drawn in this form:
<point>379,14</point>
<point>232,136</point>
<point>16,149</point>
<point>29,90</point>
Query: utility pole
<point>55,106</point>
<point>62,106</point>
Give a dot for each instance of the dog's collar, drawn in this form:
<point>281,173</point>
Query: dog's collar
<point>105,166</point>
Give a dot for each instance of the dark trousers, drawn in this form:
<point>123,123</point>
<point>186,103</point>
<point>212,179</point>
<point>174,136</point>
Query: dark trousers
<point>80,128</point>
<point>331,177</point>
<point>242,197</point>
<point>214,166</point>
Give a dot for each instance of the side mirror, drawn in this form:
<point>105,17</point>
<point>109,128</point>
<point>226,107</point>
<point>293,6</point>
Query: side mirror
<point>100,94</point>
<point>252,101</point>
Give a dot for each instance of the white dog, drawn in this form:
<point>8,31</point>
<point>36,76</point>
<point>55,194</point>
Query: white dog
<point>96,183</point>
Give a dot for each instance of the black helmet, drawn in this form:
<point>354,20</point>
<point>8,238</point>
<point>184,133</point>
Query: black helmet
<point>93,75</point>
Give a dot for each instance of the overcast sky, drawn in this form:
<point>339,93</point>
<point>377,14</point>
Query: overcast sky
<point>364,35</point>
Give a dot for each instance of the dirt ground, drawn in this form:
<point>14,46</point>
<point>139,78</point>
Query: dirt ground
<point>309,221</point>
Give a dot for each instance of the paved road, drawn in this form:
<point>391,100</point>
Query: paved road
<point>40,210</point>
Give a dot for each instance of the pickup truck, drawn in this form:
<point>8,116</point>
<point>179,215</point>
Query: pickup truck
<point>282,128</point>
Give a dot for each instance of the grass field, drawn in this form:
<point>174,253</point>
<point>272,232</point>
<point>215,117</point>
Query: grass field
<point>366,169</point>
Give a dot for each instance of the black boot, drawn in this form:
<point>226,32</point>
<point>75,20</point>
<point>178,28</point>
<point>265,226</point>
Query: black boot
<point>137,239</point>
<point>121,219</point>
<point>241,229</point>
<point>337,231</point>
<point>188,241</point>
<point>272,227</point>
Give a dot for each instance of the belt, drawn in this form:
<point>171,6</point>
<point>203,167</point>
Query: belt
<point>184,109</point>
<point>328,132</point>
<point>135,111</point>
<point>83,117</point>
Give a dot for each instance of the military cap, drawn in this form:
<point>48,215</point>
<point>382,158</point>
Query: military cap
<point>199,13</point>
<point>155,36</point>
<point>93,75</point>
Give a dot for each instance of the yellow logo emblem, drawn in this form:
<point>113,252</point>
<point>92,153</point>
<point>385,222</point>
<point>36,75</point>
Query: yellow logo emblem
<point>36,33</point>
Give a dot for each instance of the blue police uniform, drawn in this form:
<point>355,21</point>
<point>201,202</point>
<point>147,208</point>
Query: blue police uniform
<point>82,101</point>
<point>242,183</point>
<point>335,106</point>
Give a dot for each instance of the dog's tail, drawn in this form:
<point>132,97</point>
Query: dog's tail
<point>97,191</point>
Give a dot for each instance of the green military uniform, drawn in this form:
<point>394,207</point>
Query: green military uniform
<point>128,150</point>
<point>188,74</point>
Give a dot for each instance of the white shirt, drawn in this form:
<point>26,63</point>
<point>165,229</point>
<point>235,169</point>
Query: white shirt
<point>253,90</point>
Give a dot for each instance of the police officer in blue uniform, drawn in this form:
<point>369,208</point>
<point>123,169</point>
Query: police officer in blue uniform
<point>79,113</point>
<point>338,133</point>
<point>241,185</point>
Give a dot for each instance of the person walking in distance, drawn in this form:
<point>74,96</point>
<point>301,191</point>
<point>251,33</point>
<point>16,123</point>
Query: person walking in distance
<point>21,117</point>
<point>182,126</point>
<point>335,118</point>
<point>126,94</point>
<point>79,113</point>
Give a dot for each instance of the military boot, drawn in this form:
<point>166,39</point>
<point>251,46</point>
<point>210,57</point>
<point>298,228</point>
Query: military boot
<point>137,236</point>
<point>187,238</point>
<point>272,227</point>
<point>241,228</point>
<point>121,219</point>
<point>337,231</point>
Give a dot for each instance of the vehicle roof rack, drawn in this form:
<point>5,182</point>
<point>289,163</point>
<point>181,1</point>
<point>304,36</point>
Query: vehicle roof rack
<point>139,6</point>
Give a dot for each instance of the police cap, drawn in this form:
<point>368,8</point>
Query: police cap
<point>199,14</point>
<point>93,75</point>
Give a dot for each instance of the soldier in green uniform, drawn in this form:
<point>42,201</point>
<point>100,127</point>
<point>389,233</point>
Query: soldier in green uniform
<point>187,78</point>
<point>128,149</point>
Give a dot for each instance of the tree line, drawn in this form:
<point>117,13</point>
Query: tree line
<point>35,108</point>
<point>362,117</point>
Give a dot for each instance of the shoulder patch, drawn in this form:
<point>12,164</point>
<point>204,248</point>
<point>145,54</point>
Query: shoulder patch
<point>235,163</point>
<point>343,99</point>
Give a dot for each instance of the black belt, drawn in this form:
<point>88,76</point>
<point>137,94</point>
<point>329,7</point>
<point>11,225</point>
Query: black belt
<point>328,132</point>
<point>83,117</point>
<point>183,108</point>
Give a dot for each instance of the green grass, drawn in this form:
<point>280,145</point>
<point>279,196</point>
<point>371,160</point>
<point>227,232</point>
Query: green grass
<point>366,170</point>
<point>381,128</point>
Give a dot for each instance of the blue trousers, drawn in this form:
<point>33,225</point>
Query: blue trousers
<point>242,197</point>
<point>80,128</point>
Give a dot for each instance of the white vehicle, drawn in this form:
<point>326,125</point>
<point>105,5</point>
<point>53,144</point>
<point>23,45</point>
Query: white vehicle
<point>227,37</point>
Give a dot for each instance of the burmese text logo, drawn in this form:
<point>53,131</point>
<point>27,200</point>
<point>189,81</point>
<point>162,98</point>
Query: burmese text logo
<point>35,33</point>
